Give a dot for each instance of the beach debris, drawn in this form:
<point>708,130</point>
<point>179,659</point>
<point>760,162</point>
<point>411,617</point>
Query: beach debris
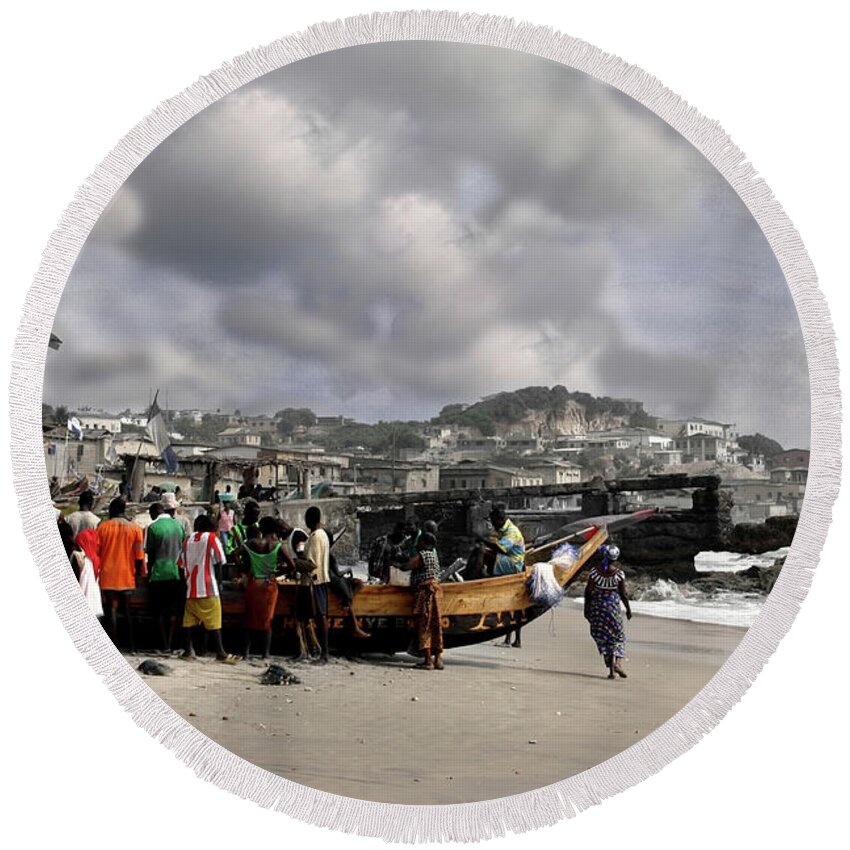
<point>414,699</point>
<point>557,714</point>
<point>277,675</point>
<point>533,741</point>
<point>308,689</point>
<point>225,717</point>
<point>154,668</point>
<point>192,714</point>
<point>513,687</point>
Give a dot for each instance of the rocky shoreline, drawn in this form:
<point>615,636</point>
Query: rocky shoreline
<point>757,580</point>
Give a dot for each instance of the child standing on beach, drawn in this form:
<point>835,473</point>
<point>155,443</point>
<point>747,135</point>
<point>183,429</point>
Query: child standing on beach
<point>201,560</point>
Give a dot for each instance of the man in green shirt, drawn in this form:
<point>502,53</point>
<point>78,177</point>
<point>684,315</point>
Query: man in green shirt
<point>166,586</point>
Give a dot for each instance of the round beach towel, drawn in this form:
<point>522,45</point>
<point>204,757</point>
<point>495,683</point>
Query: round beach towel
<point>471,274</point>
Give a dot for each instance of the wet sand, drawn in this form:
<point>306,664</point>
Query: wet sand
<point>496,721</point>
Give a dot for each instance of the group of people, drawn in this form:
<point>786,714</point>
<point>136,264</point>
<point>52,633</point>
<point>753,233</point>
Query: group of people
<point>183,563</point>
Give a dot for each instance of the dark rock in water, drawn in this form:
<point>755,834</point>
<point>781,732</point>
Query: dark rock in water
<point>755,538</point>
<point>277,675</point>
<point>154,668</point>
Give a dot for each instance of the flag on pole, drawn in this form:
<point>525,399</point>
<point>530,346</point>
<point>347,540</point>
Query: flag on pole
<point>74,427</point>
<point>158,432</point>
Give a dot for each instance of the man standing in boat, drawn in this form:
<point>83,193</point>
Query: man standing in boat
<point>505,548</point>
<point>505,555</point>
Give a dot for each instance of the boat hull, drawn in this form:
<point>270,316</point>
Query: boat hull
<point>473,611</point>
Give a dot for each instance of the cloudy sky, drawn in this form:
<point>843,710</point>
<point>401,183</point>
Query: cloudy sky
<point>385,229</point>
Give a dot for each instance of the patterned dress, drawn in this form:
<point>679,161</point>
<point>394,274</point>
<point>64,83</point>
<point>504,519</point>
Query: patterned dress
<point>425,581</point>
<point>606,616</point>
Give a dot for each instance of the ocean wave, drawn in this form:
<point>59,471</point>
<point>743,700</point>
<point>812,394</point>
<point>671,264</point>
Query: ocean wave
<point>735,562</point>
<point>673,601</point>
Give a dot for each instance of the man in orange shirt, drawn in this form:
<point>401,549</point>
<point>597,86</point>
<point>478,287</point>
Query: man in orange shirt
<point>122,559</point>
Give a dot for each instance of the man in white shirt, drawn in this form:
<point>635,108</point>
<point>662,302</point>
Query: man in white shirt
<point>83,518</point>
<point>317,552</point>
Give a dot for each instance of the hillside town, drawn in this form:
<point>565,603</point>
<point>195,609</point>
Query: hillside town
<point>492,444</point>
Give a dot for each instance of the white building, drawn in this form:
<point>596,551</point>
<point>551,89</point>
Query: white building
<point>100,422</point>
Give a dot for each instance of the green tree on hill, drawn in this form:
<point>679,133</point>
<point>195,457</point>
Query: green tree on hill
<point>291,418</point>
<point>758,444</point>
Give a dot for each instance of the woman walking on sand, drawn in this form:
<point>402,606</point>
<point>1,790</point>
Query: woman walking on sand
<point>606,587</point>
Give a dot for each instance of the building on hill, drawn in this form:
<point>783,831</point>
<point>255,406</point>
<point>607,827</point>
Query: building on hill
<point>523,444</point>
<point>137,420</point>
<point>382,475</point>
<point>577,443</point>
<point>789,474</point>
<point>330,422</point>
<point>702,440</point>
<point>642,439</point>
<point>755,462</point>
<point>193,415</point>
<point>91,421</point>
<point>696,425</point>
<point>240,436</point>
<point>68,457</point>
<point>469,475</point>
<point>552,471</point>
<point>790,459</point>
<point>754,500</point>
<point>262,424</point>
<point>667,457</point>
<point>475,447</point>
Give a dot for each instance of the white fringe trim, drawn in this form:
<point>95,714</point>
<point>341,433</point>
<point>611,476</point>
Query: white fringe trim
<point>468,821</point>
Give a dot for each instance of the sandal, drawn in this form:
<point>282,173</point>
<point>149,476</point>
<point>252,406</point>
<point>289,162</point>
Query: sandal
<point>229,659</point>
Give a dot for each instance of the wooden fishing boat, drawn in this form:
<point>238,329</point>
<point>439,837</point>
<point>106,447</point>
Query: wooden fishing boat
<point>473,611</point>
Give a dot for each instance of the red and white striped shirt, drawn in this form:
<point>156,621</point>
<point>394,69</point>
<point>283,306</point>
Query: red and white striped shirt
<point>202,551</point>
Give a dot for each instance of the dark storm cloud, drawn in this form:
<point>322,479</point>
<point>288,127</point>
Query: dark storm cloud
<point>393,227</point>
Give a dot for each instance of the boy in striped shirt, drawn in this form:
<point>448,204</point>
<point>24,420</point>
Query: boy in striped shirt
<point>202,558</point>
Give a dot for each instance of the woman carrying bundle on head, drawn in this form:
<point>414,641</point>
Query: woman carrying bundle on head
<point>606,588</point>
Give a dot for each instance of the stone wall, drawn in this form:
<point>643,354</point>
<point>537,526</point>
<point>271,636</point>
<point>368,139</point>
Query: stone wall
<point>335,514</point>
<point>664,545</point>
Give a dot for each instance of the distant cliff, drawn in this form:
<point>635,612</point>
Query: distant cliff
<point>545,412</point>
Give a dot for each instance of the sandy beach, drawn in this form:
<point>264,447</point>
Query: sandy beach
<point>496,721</point>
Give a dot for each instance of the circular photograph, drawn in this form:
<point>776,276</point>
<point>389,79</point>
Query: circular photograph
<point>426,422</point>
